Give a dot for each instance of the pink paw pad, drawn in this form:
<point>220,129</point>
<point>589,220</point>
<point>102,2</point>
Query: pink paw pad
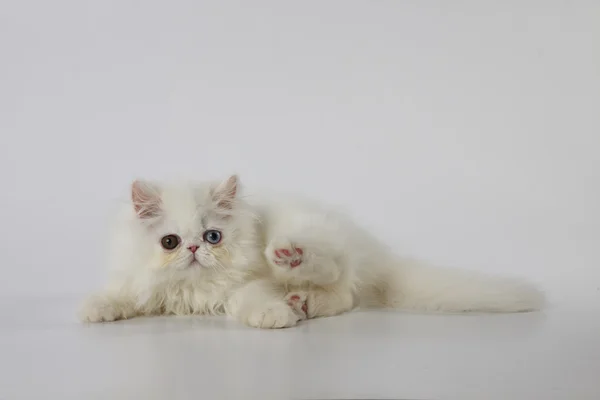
<point>298,303</point>
<point>291,257</point>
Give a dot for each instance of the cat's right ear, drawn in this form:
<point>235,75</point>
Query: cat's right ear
<point>224,194</point>
<point>145,198</point>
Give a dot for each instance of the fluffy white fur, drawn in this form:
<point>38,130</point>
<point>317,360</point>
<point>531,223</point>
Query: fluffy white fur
<point>146,279</point>
<point>344,266</point>
<point>280,261</point>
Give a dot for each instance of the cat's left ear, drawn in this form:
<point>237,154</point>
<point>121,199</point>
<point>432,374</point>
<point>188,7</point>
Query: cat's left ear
<point>145,198</point>
<point>224,194</point>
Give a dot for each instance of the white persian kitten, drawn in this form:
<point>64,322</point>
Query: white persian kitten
<point>202,249</point>
<point>186,249</point>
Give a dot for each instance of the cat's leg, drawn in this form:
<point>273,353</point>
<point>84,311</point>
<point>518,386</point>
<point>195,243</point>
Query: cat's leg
<point>261,304</point>
<point>313,263</point>
<point>298,302</point>
<point>107,307</point>
<point>298,261</point>
<point>322,301</point>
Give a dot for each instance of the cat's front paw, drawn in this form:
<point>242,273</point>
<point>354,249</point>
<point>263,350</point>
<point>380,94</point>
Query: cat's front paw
<point>272,316</point>
<point>103,309</point>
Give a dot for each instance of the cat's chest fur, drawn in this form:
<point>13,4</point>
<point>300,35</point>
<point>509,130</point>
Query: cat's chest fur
<point>189,296</point>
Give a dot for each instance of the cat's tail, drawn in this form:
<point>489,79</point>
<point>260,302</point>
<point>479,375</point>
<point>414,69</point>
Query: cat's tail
<point>414,286</point>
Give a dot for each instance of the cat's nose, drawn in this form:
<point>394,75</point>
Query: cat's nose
<point>193,248</point>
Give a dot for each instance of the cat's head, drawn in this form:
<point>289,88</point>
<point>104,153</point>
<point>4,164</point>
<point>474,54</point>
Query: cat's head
<point>199,228</point>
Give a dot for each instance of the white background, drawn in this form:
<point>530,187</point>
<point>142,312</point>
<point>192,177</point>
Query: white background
<point>465,133</point>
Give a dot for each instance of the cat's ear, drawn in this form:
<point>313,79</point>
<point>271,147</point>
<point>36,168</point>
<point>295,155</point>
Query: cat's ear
<point>225,192</point>
<point>145,198</point>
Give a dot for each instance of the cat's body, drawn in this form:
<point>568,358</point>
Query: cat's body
<point>277,261</point>
<point>320,254</point>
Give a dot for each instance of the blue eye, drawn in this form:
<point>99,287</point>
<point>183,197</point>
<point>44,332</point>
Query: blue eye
<point>212,236</point>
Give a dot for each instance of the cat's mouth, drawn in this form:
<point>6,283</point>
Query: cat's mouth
<point>194,263</point>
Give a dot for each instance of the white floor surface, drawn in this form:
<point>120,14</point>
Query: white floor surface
<point>46,353</point>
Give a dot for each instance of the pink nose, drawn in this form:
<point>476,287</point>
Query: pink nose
<point>193,248</point>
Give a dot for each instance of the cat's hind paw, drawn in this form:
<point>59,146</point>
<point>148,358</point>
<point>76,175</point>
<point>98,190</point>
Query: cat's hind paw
<point>285,254</point>
<point>272,316</point>
<point>298,302</point>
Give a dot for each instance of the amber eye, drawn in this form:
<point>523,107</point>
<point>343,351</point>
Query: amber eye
<point>212,236</point>
<point>170,242</point>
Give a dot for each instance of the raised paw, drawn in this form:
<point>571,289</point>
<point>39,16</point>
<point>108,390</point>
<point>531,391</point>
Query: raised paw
<point>297,301</point>
<point>290,256</point>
